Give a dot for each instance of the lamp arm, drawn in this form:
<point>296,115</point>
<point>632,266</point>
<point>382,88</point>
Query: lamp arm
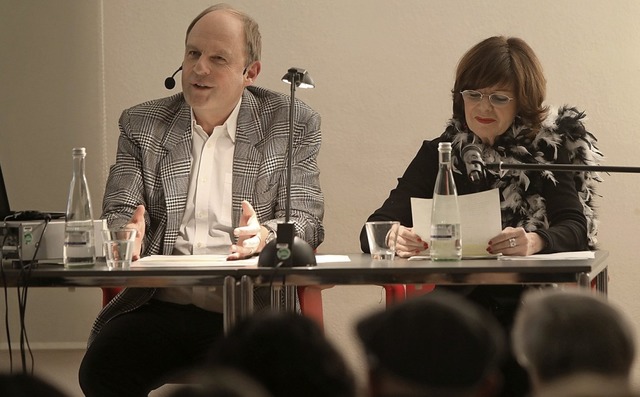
<point>290,148</point>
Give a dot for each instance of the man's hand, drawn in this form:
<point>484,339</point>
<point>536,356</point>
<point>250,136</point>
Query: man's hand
<point>250,234</point>
<point>137,222</point>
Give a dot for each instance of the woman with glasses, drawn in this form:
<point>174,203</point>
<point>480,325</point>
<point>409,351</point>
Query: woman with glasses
<point>498,106</point>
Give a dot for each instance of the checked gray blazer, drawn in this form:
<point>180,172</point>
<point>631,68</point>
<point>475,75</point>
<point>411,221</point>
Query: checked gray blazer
<point>153,164</point>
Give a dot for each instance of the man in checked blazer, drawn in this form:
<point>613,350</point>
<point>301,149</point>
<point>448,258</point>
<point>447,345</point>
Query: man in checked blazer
<point>200,172</point>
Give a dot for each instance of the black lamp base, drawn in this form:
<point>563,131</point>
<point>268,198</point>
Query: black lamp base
<point>287,250</point>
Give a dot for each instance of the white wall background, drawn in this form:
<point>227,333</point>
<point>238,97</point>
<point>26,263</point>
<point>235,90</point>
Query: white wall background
<point>383,69</point>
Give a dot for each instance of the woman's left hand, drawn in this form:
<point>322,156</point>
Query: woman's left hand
<point>515,241</point>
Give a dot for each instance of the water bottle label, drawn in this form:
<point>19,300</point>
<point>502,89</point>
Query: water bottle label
<point>443,231</point>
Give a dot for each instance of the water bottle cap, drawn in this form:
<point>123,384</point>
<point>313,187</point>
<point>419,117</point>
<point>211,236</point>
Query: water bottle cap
<point>444,146</point>
<point>79,151</point>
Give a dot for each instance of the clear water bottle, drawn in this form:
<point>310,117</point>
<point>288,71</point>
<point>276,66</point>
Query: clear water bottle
<point>446,239</point>
<point>79,240</point>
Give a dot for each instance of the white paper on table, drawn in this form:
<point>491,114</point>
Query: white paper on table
<point>332,258</point>
<point>215,261</point>
<point>558,256</point>
<point>480,220</point>
<point>153,261</point>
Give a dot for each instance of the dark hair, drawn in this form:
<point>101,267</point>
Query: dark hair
<point>437,341</point>
<point>19,385</point>
<point>288,354</point>
<point>222,382</point>
<point>253,39</point>
<point>500,60</point>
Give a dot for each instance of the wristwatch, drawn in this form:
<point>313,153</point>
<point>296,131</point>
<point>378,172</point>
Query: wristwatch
<point>270,236</point>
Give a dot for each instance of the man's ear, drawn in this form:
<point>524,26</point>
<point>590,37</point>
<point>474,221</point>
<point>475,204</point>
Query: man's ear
<point>252,73</point>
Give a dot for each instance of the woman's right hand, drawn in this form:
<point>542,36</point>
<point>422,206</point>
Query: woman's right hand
<point>409,243</point>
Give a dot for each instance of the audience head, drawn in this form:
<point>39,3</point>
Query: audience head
<point>220,383</point>
<point>438,344</point>
<point>503,62</point>
<point>587,385</point>
<point>287,353</point>
<point>560,333</point>
<point>23,385</point>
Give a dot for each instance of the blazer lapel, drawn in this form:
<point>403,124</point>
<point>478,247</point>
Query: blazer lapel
<point>175,169</point>
<point>247,155</point>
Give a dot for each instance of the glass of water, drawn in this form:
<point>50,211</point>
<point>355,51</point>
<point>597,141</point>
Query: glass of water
<point>382,236</point>
<point>118,247</point>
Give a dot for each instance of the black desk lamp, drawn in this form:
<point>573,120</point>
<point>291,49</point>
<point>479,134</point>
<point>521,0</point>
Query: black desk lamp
<point>287,249</point>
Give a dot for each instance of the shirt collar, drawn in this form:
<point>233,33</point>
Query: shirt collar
<point>229,125</point>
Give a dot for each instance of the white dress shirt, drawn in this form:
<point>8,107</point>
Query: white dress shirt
<point>206,226</point>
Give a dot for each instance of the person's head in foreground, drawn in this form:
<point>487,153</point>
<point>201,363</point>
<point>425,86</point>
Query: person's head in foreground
<point>288,354</point>
<point>587,385</point>
<point>559,333</point>
<point>438,344</point>
<point>220,383</point>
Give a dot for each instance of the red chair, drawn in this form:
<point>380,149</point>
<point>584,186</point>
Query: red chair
<point>310,300</point>
<point>419,289</point>
<point>394,293</point>
<point>109,293</point>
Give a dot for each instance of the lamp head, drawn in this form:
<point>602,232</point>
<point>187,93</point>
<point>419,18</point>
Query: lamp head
<point>299,77</point>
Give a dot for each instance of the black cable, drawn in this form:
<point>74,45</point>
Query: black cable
<point>25,276</point>
<point>6,303</point>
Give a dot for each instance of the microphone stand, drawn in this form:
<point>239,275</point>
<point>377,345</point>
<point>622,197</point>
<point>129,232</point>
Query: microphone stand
<point>561,167</point>
<point>287,249</point>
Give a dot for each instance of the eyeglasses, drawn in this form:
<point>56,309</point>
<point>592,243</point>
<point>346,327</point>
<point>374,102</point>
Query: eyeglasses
<point>494,99</point>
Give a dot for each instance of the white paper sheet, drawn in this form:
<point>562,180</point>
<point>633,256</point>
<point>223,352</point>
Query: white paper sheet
<point>572,255</point>
<point>479,220</point>
<point>192,261</point>
<point>155,261</point>
<point>332,258</point>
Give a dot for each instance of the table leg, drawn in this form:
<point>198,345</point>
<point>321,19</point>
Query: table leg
<point>290,298</point>
<point>602,280</point>
<point>229,303</point>
<point>246,296</point>
<point>276,300</point>
<point>583,280</point>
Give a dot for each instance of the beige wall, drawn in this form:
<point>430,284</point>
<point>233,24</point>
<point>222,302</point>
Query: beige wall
<point>383,69</point>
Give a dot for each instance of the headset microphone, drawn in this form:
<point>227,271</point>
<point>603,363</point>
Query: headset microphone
<point>170,82</point>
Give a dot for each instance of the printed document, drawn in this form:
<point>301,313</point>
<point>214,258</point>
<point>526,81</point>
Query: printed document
<point>480,220</point>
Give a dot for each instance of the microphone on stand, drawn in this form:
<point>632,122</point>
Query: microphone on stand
<point>476,167</point>
<point>472,157</point>
<point>562,167</point>
<point>287,249</point>
<point>170,82</point>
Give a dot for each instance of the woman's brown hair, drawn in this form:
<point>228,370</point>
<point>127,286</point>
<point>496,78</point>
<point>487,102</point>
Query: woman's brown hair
<point>508,62</point>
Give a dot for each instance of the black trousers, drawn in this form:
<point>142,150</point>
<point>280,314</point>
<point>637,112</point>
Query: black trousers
<point>138,351</point>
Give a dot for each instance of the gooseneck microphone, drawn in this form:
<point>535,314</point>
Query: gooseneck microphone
<point>472,157</point>
<point>476,167</point>
<point>170,82</point>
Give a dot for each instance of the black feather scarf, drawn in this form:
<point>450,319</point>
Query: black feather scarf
<point>522,204</point>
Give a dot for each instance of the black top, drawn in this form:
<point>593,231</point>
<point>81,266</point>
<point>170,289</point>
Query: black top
<point>567,229</point>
